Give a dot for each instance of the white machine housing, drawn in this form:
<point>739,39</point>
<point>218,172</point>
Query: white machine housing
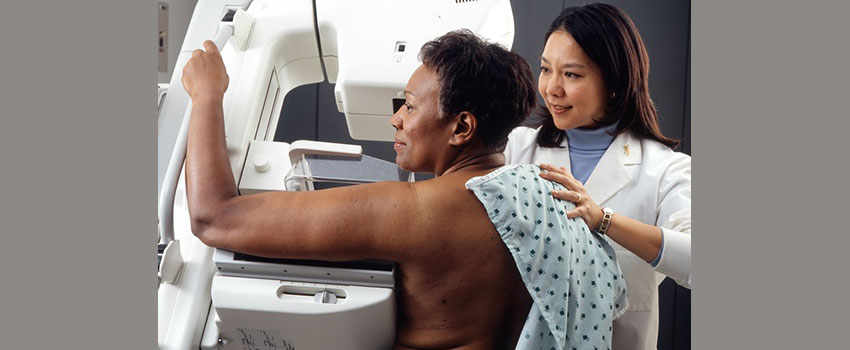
<point>369,50</point>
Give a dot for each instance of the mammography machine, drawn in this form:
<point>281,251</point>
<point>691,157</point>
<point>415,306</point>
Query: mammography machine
<point>215,299</point>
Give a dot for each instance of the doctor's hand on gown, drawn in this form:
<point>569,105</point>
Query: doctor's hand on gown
<point>204,75</point>
<point>641,239</point>
<point>585,208</point>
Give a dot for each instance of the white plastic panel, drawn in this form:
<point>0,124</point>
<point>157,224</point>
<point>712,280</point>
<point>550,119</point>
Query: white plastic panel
<point>266,167</point>
<point>284,313</point>
<point>282,40</point>
<point>370,127</point>
<point>372,72</point>
<point>272,95</point>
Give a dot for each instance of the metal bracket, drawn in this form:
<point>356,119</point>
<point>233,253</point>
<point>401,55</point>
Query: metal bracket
<point>243,25</point>
<point>302,147</point>
<point>171,266</point>
<point>161,90</point>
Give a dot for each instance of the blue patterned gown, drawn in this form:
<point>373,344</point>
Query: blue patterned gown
<point>570,272</point>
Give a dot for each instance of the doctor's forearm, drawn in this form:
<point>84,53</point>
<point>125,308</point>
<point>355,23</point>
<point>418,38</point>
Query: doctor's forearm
<point>209,181</point>
<point>639,238</point>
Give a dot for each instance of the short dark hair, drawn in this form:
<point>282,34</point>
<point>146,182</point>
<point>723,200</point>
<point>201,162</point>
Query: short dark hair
<point>609,37</point>
<point>484,79</point>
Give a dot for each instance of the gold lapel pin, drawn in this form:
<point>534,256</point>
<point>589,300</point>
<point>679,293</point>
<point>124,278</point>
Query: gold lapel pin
<point>626,148</point>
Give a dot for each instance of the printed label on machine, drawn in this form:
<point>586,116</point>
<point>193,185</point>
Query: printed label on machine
<point>258,339</point>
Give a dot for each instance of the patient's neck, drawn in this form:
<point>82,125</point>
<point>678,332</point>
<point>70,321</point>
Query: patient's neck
<point>474,160</point>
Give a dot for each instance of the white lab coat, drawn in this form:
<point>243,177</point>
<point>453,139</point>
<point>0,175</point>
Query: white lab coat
<point>646,181</point>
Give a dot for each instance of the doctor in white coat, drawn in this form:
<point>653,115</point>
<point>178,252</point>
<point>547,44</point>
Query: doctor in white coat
<point>600,139</point>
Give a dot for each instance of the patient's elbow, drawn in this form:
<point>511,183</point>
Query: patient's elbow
<point>203,226</point>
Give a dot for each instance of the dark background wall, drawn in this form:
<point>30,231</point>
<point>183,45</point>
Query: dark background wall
<point>310,113</point>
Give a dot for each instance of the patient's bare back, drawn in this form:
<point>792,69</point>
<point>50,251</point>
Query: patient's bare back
<point>460,288</point>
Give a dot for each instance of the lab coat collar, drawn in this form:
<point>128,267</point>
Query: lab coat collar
<point>611,174</point>
<point>556,156</point>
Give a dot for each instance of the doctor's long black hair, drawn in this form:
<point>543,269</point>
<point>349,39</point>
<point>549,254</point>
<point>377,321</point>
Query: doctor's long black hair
<point>609,37</point>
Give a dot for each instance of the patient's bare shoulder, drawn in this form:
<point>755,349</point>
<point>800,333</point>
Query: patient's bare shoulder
<point>450,213</point>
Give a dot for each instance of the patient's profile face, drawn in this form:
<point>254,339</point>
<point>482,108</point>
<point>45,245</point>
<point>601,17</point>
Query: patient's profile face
<point>422,137</point>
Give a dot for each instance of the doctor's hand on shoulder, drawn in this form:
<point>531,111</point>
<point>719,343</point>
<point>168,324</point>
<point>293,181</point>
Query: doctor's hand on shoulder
<point>642,239</point>
<point>204,75</point>
<point>585,208</point>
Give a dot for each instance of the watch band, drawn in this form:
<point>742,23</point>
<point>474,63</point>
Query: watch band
<point>607,213</point>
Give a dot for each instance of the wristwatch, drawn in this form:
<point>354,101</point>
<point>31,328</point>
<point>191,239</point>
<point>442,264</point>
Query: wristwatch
<point>607,213</point>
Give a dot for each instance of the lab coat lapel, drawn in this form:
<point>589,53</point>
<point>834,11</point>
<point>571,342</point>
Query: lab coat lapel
<point>556,156</point>
<point>611,174</point>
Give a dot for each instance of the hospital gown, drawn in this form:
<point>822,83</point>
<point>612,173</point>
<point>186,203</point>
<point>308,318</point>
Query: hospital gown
<point>571,273</point>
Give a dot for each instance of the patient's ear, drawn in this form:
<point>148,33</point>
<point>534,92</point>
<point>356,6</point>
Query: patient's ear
<point>466,125</point>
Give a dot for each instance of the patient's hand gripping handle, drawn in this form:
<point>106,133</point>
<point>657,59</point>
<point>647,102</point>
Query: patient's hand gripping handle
<point>178,156</point>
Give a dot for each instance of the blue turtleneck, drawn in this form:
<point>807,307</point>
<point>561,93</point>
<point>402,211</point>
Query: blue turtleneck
<point>586,148</point>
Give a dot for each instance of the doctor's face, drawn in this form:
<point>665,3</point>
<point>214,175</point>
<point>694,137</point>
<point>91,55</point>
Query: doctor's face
<point>421,137</point>
<point>571,84</point>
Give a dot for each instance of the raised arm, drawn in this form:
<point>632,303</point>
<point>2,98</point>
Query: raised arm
<point>356,222</point>
<point>347,223</point>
